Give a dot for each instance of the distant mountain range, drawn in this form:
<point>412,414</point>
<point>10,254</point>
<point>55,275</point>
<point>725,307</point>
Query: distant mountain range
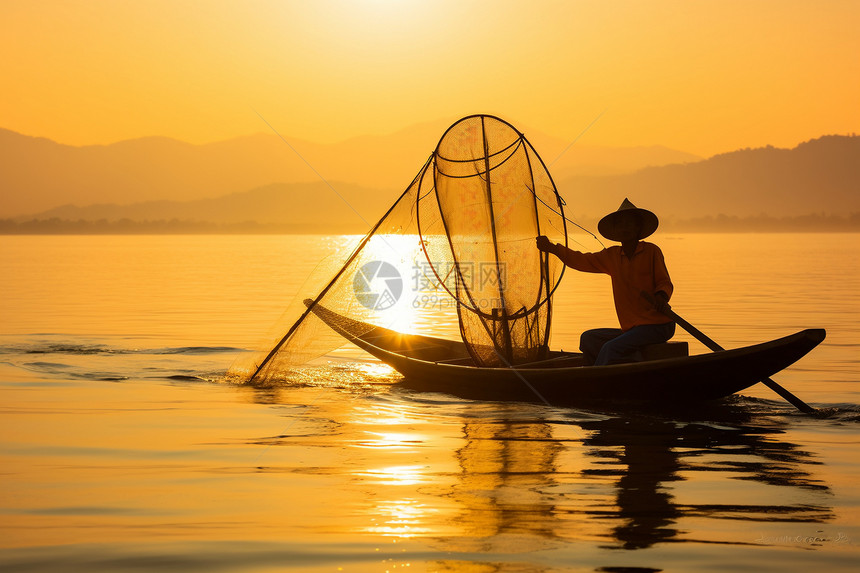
<point>38,174</point>
<point>260,180</point>
<point>819,176</point>
<point>298,207</point>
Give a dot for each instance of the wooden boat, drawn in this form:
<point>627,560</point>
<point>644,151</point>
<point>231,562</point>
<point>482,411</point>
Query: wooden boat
<point>441,365</point>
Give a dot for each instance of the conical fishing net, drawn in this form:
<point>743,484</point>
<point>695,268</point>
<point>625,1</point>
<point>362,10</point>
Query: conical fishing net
<point>454,254</point>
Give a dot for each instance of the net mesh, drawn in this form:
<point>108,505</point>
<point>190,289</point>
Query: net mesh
<point>455,253</point>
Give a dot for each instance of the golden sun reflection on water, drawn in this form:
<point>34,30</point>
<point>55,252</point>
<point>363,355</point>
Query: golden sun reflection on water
<point>396,475</point>
<point>390,440</point>
<point>402,518</point>
<point>376,370</point>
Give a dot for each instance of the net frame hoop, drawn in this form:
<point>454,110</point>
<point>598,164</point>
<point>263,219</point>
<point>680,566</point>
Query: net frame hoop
<point>499,152</point>
<point>521,139</point>
<point>514,147</point>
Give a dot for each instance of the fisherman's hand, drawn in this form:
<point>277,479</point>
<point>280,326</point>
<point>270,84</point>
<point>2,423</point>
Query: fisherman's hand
<point>545,245</point>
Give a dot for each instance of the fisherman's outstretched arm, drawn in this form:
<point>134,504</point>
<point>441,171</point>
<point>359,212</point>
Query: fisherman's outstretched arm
<point>585,262</point>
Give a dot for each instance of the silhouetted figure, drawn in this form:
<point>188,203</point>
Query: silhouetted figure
<point>646,452</point>
<point>637,269</point>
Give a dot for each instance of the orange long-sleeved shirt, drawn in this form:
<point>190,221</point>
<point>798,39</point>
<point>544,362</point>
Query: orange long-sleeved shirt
<point>644,271</point>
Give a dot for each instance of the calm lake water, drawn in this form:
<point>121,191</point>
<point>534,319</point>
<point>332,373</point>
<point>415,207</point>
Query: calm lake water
<point>123,448</point>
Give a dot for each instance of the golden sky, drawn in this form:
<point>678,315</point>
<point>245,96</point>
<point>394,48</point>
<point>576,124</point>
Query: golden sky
<point>699,76</point>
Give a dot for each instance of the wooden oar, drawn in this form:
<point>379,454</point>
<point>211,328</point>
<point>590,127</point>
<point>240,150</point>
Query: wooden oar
<point>701,337</point>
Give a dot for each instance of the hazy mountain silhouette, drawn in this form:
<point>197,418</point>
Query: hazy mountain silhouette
<point>37,174</point>
<point>309,207</point>
<point>818,176</point>
<point>160,179</point>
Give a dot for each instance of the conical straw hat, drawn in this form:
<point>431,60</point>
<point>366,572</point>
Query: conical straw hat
<point>608,226</point>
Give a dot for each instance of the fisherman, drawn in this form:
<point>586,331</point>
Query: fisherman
<point>640,285</point>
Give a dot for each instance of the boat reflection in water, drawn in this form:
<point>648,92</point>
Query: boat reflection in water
<point>513,478</point>
<point>507,469</point>
<point>646,455</point>
<point>626,483</point>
